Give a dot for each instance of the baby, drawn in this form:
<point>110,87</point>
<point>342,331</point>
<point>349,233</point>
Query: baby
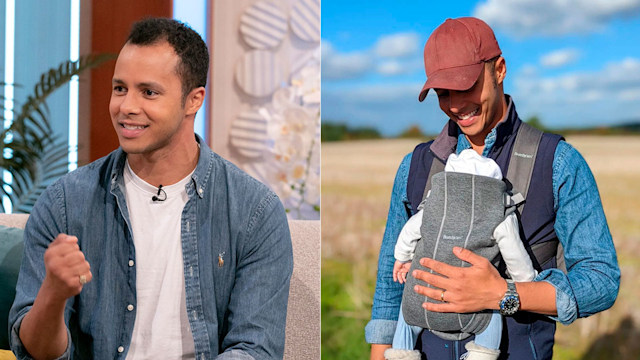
<point>504,237</point>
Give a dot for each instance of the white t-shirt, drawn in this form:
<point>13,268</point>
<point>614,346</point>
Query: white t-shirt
<point>161,329</point>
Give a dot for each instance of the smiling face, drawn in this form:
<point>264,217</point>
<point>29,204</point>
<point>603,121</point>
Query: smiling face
<point>147,108</point>
<point>480,108</point>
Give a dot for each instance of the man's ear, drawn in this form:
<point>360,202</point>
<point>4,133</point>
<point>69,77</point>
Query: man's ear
<point>194,100</point>
<point>500,69</point>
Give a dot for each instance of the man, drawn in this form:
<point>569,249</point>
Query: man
<point>161,249</point>
<point>465,68</point>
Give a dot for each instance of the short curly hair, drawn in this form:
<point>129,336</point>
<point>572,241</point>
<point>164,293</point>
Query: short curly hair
<point>193,67</point>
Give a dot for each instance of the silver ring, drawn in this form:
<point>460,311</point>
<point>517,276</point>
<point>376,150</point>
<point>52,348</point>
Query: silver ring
<point>442,295</point>
<point>83,279</point>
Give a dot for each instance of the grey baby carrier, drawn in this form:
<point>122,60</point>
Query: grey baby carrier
<point>460,210</point>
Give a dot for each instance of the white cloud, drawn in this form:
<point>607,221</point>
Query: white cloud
<point>326,48</point>
<point>630,95</point>
<point>599,97</point>
<point>528,70</point>
<point>391,108</point>
<point>398,67</point>
<point>383,92</point>
<point>554,17</point>
<point>391,55</point>
<point>398,45</point>
<point>390,68</point>
<point>610,82</point>
<point>337,65</point>
<point>559,58</point>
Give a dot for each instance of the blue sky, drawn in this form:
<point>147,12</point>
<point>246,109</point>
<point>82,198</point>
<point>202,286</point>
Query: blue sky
<point>572,63</point>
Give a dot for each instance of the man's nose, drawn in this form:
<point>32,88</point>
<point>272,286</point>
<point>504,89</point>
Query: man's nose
<point>129,104</point>
<point>456,101</point>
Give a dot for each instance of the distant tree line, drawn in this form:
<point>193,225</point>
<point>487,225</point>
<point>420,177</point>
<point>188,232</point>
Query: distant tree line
<point>626,128</point>
<point>339,131</point>
<point>536,123</point>
<point>334,131</point>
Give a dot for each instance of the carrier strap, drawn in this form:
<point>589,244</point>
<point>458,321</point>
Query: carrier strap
<point>545,251</point>
<point>436,167</point>
<point>523,158</point>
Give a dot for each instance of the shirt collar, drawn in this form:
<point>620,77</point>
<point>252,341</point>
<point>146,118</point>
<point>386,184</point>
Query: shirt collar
<point>204,169</point>
<point>200,176</point>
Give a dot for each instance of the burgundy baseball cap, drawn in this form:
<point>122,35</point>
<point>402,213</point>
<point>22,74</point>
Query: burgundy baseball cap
<point>455,53</point>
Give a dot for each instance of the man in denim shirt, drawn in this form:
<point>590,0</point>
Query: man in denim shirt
<point>161,249</point>
<point>464,66</point>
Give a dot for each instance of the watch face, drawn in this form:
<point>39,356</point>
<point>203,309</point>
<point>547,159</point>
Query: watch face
<point>509,305</point>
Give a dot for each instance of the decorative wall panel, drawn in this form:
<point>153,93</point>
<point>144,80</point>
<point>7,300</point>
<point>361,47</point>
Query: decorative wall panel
<point>265,95</point>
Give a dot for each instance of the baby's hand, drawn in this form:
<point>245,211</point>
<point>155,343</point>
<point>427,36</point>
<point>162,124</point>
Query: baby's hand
<point>400,271</point>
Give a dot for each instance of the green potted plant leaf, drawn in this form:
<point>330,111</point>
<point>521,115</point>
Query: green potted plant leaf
<point>32,154</point>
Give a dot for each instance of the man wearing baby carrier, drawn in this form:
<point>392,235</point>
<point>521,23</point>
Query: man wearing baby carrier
<point>561,222</point>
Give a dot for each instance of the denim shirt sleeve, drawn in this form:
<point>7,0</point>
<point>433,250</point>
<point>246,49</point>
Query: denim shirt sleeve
<point>42,227</point>
<point>234,355</point>
<point>593,277</point>
<point>388,294</point>
<point>258,302</point>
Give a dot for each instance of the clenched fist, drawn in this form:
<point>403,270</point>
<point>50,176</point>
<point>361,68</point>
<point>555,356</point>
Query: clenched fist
<point>66,268</point>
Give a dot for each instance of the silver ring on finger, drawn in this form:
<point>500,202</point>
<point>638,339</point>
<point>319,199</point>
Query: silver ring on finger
<point>83,279</point>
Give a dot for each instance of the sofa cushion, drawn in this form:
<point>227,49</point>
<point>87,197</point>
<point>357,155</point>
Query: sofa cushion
<point>10,256</point>
<point>303,313</point>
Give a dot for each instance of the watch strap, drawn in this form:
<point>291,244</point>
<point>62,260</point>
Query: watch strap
<point>510,302</point>
<point>511,288</point>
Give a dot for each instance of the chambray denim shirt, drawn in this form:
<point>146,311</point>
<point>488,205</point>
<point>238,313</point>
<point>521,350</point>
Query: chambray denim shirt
<point>236,308</point>
<point>593,278</point>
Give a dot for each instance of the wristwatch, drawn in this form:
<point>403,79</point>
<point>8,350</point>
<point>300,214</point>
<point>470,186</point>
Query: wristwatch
<point>510,303</point>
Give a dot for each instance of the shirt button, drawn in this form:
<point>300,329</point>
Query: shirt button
<point>130,307</point>
<point>200,191</point>
<point>120,349</point>
<point>131,263</point>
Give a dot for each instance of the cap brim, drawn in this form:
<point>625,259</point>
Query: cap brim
<point>458,78</point>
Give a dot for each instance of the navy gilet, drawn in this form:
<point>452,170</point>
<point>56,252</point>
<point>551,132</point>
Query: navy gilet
<point>530,336</point>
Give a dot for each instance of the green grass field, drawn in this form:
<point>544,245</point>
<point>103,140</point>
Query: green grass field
<point>357,177</point>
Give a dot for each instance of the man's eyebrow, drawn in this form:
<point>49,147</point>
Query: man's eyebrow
<point>150,84</point>
<point>138,85</point>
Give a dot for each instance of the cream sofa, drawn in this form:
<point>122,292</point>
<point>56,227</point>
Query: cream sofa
<point>303,315</point>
